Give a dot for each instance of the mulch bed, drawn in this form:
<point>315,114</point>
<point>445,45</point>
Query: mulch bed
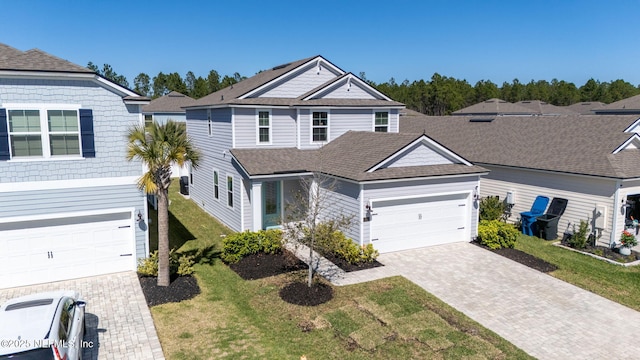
<point>523,258</point>
<point>299,293</point>
<point>261,265</point>
<point>179,289</point>
<point>606,252</point>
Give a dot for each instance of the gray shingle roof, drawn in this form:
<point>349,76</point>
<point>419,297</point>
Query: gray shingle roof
<point>585,107</point>
<point>542,108</point>
<point>631,104</point>
<point>349,157</point>
<point>494,107</point>
<point>579,144</point>
<point>35,60</point>
<point>173,102</point>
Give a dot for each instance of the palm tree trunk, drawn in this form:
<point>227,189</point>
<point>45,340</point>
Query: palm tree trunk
<point>163,237</point>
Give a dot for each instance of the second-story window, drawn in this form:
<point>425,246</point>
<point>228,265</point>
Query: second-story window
<point>44,133</point>
<point>320,126</point>
<point>381,120</point>
<point>209,123</point>
<point>264,127</point>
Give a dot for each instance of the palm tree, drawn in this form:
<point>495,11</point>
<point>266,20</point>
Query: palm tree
<point>159,146</point>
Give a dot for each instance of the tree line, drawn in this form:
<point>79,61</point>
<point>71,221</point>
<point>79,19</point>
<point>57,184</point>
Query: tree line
<point>440,95</point>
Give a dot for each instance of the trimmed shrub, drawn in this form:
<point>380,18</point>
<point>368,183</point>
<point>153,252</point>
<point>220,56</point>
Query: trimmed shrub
<point>579,238</point>
<point>238,245</point>
<point>491,208</point>
<point>330,240</point>
<point>178,264</point>
<point>496,235</point>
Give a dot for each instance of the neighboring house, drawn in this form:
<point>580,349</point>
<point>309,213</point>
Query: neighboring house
<point>586,107</point>
<point>593,161</point>
<point>543,108</point>
<point>494,107</point>
<point>169,107</point>
<point>622,107</point>
<point>70,205</point>
<point>262,135</point>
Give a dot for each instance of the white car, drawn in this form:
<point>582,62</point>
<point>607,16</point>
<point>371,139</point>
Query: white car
<point>43,326</point>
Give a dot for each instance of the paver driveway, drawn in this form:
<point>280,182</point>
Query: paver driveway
<point>546,317</point>
<point>119,322</point>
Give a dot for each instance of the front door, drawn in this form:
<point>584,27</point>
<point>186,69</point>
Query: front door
<point>271,209</point>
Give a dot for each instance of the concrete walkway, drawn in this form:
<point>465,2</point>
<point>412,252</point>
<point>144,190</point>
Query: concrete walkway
<point>546,317</point>
<point>119,323</point>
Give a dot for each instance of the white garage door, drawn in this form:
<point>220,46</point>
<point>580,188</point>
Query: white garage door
<point>418,222</point>
<point>58,249</point>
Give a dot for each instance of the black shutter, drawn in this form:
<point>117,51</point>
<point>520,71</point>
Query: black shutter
<point>86,133</point>
<point>4,136</point>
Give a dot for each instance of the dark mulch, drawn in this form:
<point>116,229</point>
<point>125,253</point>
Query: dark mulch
<point>347,267</point>
<point>299,293</point>
<point>523,258</point>
<point>179,289</point>
<point>606,252</point>
<point>261,265</point>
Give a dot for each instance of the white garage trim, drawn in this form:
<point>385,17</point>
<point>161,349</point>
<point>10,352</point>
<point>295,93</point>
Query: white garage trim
<point>67,215</point>
<point>439,218</point>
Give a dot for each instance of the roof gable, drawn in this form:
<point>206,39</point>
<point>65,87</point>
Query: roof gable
<point>347,86</point>
<point>422,151</point>
<point>173,102</point>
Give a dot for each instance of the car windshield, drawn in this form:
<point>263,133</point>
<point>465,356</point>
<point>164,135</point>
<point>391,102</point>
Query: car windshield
<point>35,354</point>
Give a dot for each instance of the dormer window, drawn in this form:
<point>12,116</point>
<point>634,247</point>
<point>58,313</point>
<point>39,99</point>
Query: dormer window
<point>320,126</point>
<point>381,121</point>
<point>264,127</point>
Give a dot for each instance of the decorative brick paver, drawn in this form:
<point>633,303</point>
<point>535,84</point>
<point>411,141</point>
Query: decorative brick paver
<point>546,317</point>
<point>118,320</point>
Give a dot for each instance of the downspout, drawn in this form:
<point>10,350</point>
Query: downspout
<point>616,209</point>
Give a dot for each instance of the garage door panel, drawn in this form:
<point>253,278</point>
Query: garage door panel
<point>417,222</point>
<point>43,254</point>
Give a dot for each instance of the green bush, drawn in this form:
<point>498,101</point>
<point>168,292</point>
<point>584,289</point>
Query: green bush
<point>238,245</point>
<point>496,234</point>
<point>330,240</point>
<point>368,253</point>
<point>491,208</point>
<point>579,238</point>
<point>178,264</point>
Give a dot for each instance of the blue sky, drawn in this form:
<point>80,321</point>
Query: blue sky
<point>474,40</point>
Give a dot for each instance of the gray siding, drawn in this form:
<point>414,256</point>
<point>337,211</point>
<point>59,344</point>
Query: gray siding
<point>303,81</point>
<point>419,155</point>
<point>283,128</point>
<point>161,118</point>
<point>583,193</point>
<point>55,201</point>
<point>342,91</point>
<point>422,188</point>
<point>216,155</point>
<point>111,117</point>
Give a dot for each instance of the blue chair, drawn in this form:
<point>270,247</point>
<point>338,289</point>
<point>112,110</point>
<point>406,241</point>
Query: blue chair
<point>529,218</point>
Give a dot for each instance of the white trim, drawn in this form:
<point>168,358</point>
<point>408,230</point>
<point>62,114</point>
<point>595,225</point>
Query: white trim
<point>283,176</point>
<point>361,212</point>
<point>46,106</point>
<point>233,128</point>
<point>315,61</point>
<point>348,78</point>
<point>242,228</point>
<point>328,127</point>
<point>256,205</point>
<point>298,128</point>
<point>119,88</point>
<point>419,178</point>
<point>373,119</point>
<point>427,142</point>
<point>468,192</point>
<point>630,127</point>
<point>68,184</point>
<point>616,209</point>
<point>269,127</point>
<point>631,143</point>
<point>130,210</point>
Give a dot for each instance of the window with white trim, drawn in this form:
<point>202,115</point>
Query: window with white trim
<point>216,185</point>
<point>381,121</point>
<point>230,190</point>
<point>44,132</point>
<point>148,120</point>
<point>320,126</point>
<point>209,122</point>
<point>264,127</point>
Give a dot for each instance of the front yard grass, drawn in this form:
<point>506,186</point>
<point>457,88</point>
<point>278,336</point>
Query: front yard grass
<point>614,282</point>
<point>237,319</point>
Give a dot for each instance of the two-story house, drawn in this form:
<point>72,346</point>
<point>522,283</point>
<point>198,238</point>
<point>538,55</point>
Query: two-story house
<point>69,205</point>
<point>262,135</point>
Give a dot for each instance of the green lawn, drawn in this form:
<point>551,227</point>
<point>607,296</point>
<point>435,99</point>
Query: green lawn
<point>617,283</point>
<point>237,319</point>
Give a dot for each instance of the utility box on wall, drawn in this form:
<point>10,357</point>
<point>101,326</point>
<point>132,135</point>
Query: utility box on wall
<point>600,216</point>
<point>511,197</point>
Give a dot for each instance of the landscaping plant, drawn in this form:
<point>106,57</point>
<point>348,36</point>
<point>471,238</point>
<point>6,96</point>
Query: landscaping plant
<point>238,245</point>
<point>496,234</point>
<point>628,239</point>
<point>182,265</point>
<point>491,208</point>
<point>579,238</point>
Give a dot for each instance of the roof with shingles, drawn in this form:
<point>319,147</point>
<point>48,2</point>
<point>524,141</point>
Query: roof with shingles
<point>578,144</point>
<point>173,102</point>
<point>494,107</point>
<point>35,60</point>
<point>350,156</point>
<point>543,108</point>
<point>585,107</point>
<point>631,104</point>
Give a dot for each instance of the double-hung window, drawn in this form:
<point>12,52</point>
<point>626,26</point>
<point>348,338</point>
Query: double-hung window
<point>216,185</point>
<point>230,190</point>
<point>264,127</point>
<point>44,133</point>
<point>381,121</point>
<point>320,126</point>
